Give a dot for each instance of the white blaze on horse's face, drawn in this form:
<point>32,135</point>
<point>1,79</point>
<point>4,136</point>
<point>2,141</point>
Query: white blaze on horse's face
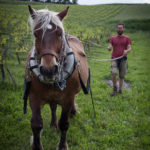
<point>49,26</point>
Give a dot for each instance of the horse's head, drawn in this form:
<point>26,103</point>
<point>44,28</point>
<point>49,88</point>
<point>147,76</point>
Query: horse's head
<point>48,31</point>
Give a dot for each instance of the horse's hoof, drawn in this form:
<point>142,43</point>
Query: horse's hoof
<point>63,147</point>
<point>39,148</point>
<point>32,145</point>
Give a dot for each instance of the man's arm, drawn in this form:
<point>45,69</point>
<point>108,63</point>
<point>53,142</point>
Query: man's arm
<point>127,50</point>
<point>110,47</point>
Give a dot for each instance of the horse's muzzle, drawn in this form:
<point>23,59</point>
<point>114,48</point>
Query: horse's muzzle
<point>49,73</point>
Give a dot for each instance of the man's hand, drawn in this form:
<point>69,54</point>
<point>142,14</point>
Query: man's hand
<point>125,52</point>
<point>110,47</point>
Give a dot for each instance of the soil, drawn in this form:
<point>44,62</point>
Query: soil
<point>126,85</point>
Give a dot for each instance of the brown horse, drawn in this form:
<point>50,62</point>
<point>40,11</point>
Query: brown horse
<point>52,69</point>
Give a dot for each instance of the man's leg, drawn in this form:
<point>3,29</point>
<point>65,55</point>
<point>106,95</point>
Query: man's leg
<point>121,85</point>
<point>114,74</point>
<point>122,73</point>
<point>114,80</point>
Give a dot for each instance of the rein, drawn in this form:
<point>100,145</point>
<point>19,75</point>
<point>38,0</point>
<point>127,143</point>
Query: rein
<point>86,89</point>
<point>96,59</point>
<point>106,59</point>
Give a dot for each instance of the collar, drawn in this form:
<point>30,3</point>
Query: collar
<point>120,36</point>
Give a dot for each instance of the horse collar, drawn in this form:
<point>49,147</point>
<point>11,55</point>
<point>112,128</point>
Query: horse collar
<point>67,66</point>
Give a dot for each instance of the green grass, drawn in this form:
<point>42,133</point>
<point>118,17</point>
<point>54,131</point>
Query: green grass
<point>135,17</point>
<point>123,122</point>
<point>137,12</point>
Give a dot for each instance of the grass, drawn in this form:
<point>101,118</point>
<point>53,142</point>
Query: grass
<point>134,17</point>
<point>136,12</point>
<point>123,122</point>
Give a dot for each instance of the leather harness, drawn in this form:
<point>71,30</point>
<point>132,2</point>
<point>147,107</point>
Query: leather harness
<point>60,83</point>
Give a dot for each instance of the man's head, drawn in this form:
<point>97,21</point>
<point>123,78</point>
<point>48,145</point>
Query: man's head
<point>120,28</point>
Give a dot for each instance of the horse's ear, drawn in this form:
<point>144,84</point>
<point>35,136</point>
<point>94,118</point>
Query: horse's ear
<point>32,12</point>
<point>63,13</point>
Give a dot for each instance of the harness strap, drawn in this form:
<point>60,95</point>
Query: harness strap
<point>32,67</point>
<point>32,58</point>
<point>67,72</point>
<point>70,53</point>
<point>87,87</point>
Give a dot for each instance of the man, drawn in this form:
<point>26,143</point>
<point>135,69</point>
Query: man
<point>121,45</point>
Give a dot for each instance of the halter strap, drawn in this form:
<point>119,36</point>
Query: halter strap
<point>47,52</point>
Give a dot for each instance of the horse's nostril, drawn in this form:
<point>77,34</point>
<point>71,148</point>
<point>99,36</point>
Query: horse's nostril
<point>43,71</point>
<point>56,68</point>
<point>41,68</point>
<point>49,72</point>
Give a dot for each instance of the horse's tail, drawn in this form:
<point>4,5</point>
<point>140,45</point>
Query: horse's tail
<point>27,85</point>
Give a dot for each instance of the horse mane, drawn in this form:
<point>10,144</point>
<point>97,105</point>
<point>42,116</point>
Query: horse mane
<point>45,16</point>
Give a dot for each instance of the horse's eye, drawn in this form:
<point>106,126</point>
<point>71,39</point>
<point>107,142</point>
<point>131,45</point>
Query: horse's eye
<point>59,35</point>
<point>59,32</point>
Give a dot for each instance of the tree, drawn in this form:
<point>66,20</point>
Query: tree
<point>74,1</point>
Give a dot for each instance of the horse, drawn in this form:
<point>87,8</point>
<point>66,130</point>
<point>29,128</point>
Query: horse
<point>55,68</point>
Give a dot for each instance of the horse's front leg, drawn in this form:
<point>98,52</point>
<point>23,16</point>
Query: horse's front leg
<point>63,126</point>
<point>36,125</point>
<point>54,117</point>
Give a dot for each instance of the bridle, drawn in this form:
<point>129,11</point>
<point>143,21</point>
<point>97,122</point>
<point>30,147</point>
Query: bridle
<point>52,52</point>
<point>47,52</point>
<point>66,64</point>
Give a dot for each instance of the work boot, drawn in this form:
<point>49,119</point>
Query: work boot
<point>114,91</point>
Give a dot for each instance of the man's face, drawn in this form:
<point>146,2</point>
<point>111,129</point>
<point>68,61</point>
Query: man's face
<point>120,29</point>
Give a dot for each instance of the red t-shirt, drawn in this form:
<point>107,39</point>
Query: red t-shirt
<point>119,44</point>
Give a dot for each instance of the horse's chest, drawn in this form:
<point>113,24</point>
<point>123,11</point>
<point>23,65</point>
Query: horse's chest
<point>49,95</point>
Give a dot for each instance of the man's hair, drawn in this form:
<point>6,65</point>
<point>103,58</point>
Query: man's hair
<point>121,24</point>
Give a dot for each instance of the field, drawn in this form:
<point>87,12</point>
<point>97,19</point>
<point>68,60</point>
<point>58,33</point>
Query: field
<point>122,122</point>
